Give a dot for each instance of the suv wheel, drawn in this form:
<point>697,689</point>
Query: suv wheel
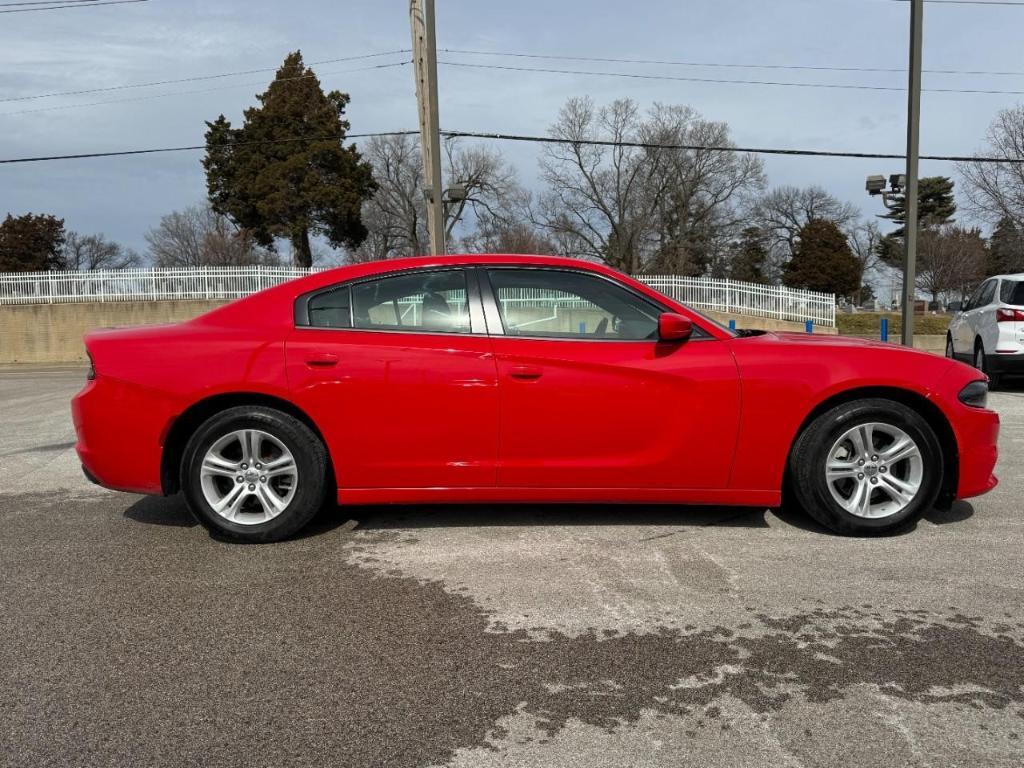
<point>981,363</point>
<point>867,467</point>
<point>254,474</point>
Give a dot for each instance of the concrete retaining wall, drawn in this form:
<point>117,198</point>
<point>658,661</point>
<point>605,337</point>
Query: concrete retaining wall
<point>52,333</point>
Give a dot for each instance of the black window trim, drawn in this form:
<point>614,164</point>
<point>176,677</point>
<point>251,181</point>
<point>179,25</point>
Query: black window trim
<point>495,327</point>
<point>473,301</point>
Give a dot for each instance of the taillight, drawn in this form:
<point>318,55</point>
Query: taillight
<point>1010,315</point>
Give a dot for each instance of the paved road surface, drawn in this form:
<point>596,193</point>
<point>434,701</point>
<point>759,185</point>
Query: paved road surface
<point>489,636</point>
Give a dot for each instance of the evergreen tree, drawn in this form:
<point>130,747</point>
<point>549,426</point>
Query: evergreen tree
<point>749,257</point>
<point>823,261</point>
<point>935,204</point>
<point>1005,249</point>
<point>31,243</point>
<point>285,173</point>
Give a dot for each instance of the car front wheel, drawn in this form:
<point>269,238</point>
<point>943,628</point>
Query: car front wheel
<point>254,474</point>
<point>867,467</point>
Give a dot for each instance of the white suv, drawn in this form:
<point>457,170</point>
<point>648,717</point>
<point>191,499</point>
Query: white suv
<point>988,331</point>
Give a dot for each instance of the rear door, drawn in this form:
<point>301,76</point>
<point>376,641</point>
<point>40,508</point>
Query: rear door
<point>590,399</point>
<point>983,317</point>
<point>398,373</point>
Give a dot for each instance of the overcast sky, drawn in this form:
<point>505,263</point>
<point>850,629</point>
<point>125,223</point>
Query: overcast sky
<point>78,49</point>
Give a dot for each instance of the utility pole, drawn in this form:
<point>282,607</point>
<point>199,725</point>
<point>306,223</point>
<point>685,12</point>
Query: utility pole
<point>424,52</point>
<point>913,152</point>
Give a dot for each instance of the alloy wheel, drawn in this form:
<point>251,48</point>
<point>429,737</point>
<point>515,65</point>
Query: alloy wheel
<point>248,477</point>
<point>874,470</point>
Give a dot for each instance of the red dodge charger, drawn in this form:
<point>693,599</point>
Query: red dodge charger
<point>519,379</point>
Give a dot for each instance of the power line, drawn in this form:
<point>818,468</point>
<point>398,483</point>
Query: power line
<point>196,78</point>
<point>199,90</point>
<point>161,150</point>
<point>725,65</point>
<point>637,76</point>
<point>73,5</point>
<point>46,2</point>
<point>721,148</point>
<point>549,140</point>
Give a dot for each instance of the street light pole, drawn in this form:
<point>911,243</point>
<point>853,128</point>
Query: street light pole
<point>913,152</point>
<point>424,46</point>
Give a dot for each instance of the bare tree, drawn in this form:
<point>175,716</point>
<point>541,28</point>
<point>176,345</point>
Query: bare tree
<point>995,191</point>
<point>667,204</point>
<point>601,201</point>
<point>396,215</point>
<point>84,252</point>
<point>865,239</point>
<point>700,211</point>
<point>784,211</point>
<point>199,237</point>
<point>951,259</point>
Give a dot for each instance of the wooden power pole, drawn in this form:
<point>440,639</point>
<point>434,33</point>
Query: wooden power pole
<point>424,54</point>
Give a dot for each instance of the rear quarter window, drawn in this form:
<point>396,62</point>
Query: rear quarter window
<point>1012,292</point>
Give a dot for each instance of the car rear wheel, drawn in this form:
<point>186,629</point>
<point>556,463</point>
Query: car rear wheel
<point>254,474</point>
<point>867,467</point>
<point>982,365</point>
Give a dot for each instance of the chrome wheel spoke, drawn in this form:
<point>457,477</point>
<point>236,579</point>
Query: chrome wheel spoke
<point>282,467</point>
<point>214,464</point>
<point>273,504</point>
<point>841,470</point>
<point>900,450</point>
<point>898,490</point>
<point>229,505</point>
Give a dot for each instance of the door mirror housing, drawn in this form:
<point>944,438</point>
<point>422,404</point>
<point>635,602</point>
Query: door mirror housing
<point>673,327</point>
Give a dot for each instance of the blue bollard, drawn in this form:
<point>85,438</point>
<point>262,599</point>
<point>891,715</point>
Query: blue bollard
<point>809,326</point>
<point>583,329</point>
<point>732,325</point>
<point>885,329</point>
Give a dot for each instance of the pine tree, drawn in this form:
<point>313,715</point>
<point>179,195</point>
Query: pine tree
<point>1005,249</point>
<point>935,204</point>
<point>31,243</point>
<point>749,256</point>
<point>823,261</point>
<point>285,173</point>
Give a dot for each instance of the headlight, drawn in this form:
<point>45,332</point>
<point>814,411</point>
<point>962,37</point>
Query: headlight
<point>975,394</point>
<point>91,375</point>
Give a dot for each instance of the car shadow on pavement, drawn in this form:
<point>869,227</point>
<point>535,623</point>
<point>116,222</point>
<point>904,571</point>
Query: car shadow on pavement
<point>154,510</point>
<point>159,510</point>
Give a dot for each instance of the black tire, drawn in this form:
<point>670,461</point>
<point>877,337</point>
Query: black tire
<point>981,363</point>
<point>310,461</point>
<point>810,453</point>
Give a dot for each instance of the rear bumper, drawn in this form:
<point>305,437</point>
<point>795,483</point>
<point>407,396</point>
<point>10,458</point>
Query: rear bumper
<point>118,437</point>
<point>1010,365</point>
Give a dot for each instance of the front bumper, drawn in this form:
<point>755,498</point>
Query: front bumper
<point>1008,365</point>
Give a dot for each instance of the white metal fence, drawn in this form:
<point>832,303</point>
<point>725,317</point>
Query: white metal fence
<point>727,296</point>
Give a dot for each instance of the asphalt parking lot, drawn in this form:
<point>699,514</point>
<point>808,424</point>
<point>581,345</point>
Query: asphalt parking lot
<point>496,636</point>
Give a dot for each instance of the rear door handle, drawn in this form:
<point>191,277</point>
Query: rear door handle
<point>322,360</point>
<point>525,372</point>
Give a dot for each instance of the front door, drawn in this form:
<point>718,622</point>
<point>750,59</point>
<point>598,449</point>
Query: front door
<point>399,375</point>
<point>591,399</point>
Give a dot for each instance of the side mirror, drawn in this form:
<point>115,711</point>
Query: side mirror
<point>673,327</point>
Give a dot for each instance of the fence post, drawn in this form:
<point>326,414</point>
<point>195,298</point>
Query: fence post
<point>885,329</point>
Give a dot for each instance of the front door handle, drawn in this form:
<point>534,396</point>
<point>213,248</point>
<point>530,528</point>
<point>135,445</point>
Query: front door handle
<point>525,372</point>
<point>322,360</point>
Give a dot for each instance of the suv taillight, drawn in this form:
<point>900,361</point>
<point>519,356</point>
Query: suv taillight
<point>1010,315</point>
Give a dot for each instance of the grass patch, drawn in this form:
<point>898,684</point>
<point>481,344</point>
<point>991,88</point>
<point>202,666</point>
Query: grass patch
<point>870,323</point>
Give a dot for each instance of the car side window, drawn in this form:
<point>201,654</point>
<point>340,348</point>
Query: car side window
<point>988,293</point>
<point>431,302</point>
<point>563,304</point>
<point>331,309</point>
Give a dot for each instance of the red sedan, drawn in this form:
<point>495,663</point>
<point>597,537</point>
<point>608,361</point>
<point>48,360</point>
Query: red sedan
<point>519,379</point>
